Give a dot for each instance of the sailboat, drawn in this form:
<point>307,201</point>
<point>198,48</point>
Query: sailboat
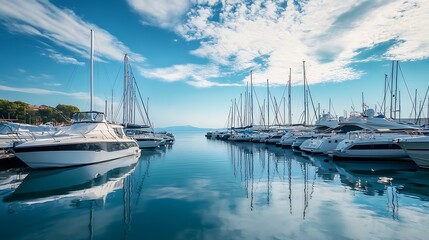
<point>142,134</point>
<point>90,139</point>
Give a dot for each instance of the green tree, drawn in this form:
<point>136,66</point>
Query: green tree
<point>67,110</point>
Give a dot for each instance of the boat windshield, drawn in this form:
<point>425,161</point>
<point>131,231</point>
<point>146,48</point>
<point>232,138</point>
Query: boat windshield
<point>5,129</point>
<point>88,117</point>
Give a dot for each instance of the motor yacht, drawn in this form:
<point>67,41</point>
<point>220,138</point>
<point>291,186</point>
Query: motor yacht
<point>369,145</point>
<point>90,139</point>
<point>417,149</point>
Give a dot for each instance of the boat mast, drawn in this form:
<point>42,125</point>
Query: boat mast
<point>91,72</point>
<point>385,91</point>
<point>125,110</point>
<point>391,89</point>
<point>268,104</point>
<point>251,99</point>
<point>289,97</point>
<point>111,108</point>
<point>415,106</point>
<point>305,95</point>
<point>396,88</point>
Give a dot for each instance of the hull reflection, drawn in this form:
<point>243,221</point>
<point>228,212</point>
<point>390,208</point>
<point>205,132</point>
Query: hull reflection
<point>86,182</point>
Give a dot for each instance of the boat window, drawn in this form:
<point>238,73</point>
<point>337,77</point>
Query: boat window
<point>119,132</point>
<point>361,147</point>
<point>88,117</point>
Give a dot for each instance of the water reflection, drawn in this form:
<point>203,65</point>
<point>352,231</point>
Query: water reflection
<point>417,185</point>
<point>261,166</point>
<point>87,182</point>
<point>374,177</point>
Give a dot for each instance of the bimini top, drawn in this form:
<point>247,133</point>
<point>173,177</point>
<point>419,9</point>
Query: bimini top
<point>88,117</point>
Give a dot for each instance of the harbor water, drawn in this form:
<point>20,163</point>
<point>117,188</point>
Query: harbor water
<point>200,188</point>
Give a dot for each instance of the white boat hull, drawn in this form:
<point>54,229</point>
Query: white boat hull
<point>148,144</point>
<point>418,150</point>
<point>421,158</point>
<point>56,159</point>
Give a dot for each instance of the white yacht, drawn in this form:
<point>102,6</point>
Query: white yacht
<point>13,134</point>
<point>240,137</point>
<point>367,145</point>
<point>275,138</point>
<point>299,140</point>
<point>417,149</point>
<point>328,142</point>
<point>90,139</point>
<point>143,135</point>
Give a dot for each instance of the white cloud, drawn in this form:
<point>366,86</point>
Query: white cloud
<point>164,13</point>
<point>58,57</point>
<point>161,12</point>
<point>98,102</point>
<point>271,37</point>
<point>52,84</point>
<point>193,74</point>
<point>61,26</point>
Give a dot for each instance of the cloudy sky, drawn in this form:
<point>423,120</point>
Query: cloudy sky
<point>191,58</point>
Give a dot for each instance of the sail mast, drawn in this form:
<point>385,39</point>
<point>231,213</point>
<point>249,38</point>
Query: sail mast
<point>289,97</point>
<point>268,104</point>
<point>91,73</point>
<point>125,110</point>
<point>305,94</point>
<point>251,99</point>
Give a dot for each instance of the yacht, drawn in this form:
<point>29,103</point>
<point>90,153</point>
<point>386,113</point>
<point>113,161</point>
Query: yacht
<point>327,142</point>
<point>143,135</point>
<point>417,149</point>
<point>13,134</point>
<point>275,138</point>
<point>299,140</point>
<point>369,145</point>
<point>241,137</point>
<point>90,139</point>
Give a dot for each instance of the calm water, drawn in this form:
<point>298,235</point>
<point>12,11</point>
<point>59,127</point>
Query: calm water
<point>208,189</point>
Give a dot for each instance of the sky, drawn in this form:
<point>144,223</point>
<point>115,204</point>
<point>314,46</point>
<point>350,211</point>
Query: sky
<point>192,58</point>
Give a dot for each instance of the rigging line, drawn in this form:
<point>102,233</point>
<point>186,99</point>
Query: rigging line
<point>276,112</point>
<point>141,113</point>
<point>311,99</point>
<point>332,105</point>
<point>273,106</point>
<point>408,91</point>
<point>259,105</point>
<point>423,104</point>
<point>227,120</point>
<point>145,110</point>
<point>141,99</point>
<point>117,75</point>
<point>72,76</point>
<point>119,108</point>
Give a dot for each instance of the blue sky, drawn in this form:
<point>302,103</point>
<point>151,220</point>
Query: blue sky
<point>191,57</point>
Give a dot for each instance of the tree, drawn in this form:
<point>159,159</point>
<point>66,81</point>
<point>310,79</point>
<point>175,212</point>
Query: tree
<point>67,110</point>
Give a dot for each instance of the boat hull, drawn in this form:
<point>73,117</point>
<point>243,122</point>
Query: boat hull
<point>70,155</point>
<point>417,149</point>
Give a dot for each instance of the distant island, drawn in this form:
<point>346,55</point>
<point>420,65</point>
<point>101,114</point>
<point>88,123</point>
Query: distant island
<point>185,128</point>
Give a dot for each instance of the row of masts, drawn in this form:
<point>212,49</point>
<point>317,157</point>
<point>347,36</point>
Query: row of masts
<point>243,116</point>
<point>391,87</point>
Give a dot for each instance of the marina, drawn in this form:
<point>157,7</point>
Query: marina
<point>141,119</point>
<point>201,188</point>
